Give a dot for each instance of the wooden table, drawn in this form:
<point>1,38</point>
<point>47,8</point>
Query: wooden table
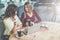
<point>52,34</point>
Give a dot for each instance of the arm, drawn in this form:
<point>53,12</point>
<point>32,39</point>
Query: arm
<point>10,27</point>
<point>23,17</point>
<point>38,18</point>
<point>19,23</point>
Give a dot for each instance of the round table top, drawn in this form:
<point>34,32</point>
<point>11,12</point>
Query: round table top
<point>52,34</point>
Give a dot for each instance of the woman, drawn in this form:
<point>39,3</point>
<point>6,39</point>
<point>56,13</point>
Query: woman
<point>11,21</point>
<point>29,14</point>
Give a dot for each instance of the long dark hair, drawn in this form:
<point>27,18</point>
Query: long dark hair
<point>10,11</point>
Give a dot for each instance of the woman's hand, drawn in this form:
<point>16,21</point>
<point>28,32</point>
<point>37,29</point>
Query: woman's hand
<point>37,22</point>
<point>14,31</point>
<point>32,23</point>
<point>28,24</point>
<point>16,28</point>
<point>19,26</point>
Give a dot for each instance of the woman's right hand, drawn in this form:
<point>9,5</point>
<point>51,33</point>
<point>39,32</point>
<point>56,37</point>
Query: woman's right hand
<point>14,31</point>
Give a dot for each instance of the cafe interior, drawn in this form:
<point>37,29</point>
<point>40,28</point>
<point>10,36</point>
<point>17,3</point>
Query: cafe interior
<point>47,29</point>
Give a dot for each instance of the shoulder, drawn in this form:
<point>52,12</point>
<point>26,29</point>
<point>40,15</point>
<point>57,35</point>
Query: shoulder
<point>6,20</point>
<point>15,16</point>
<point>34,12</point>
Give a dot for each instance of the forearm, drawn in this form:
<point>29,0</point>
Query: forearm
<point>37,21</point>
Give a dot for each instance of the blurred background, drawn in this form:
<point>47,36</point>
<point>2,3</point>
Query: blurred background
<point>48,10</point>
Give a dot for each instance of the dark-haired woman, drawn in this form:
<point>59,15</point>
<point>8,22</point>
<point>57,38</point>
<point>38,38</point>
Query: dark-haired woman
<point>11,20</point>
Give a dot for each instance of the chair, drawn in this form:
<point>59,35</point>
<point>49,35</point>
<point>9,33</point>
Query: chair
<point>1,28</point>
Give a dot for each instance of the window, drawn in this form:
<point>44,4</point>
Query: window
<point>17,0</point>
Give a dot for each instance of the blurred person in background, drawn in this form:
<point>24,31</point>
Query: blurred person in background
<point>29,15</point>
